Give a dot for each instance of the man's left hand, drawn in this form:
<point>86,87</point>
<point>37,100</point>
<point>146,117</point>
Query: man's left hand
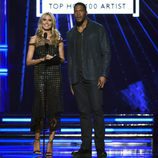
<point>101,81</point>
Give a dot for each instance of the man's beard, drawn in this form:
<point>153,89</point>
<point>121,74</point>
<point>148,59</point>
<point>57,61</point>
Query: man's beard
<point>79,23</point>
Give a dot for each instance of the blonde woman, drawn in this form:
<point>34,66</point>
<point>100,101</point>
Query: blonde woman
<point>46,53</point>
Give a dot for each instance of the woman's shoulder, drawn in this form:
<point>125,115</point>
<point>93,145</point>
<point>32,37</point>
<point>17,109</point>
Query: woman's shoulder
<point>60,39</point>
<point>33,38</point>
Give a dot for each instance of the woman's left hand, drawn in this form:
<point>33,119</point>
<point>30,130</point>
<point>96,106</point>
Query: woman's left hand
<point>48,57</point>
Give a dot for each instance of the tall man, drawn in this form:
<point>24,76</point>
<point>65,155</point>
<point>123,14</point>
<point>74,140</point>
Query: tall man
<point>88,65</point>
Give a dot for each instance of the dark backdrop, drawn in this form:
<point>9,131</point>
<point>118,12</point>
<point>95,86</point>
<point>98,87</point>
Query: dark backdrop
<point>133,82</point>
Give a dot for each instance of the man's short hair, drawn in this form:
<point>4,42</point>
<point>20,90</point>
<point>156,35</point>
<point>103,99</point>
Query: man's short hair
<point>82,4</point>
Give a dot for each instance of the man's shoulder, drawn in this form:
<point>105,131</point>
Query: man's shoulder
<point>71,30</point>
<point>95,24</point>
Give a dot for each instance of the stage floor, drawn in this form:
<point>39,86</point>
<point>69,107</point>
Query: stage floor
<point>126,136</point>
<point>116,148</point>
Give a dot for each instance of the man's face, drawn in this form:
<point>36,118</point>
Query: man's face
<point>79,14</point>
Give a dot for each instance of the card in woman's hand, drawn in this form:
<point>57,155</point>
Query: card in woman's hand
<point>54,61</point>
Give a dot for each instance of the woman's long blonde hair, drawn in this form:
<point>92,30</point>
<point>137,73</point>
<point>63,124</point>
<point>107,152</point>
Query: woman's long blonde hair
<point>55,33</point>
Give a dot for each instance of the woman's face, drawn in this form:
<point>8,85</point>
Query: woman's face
<point>47,23</point>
